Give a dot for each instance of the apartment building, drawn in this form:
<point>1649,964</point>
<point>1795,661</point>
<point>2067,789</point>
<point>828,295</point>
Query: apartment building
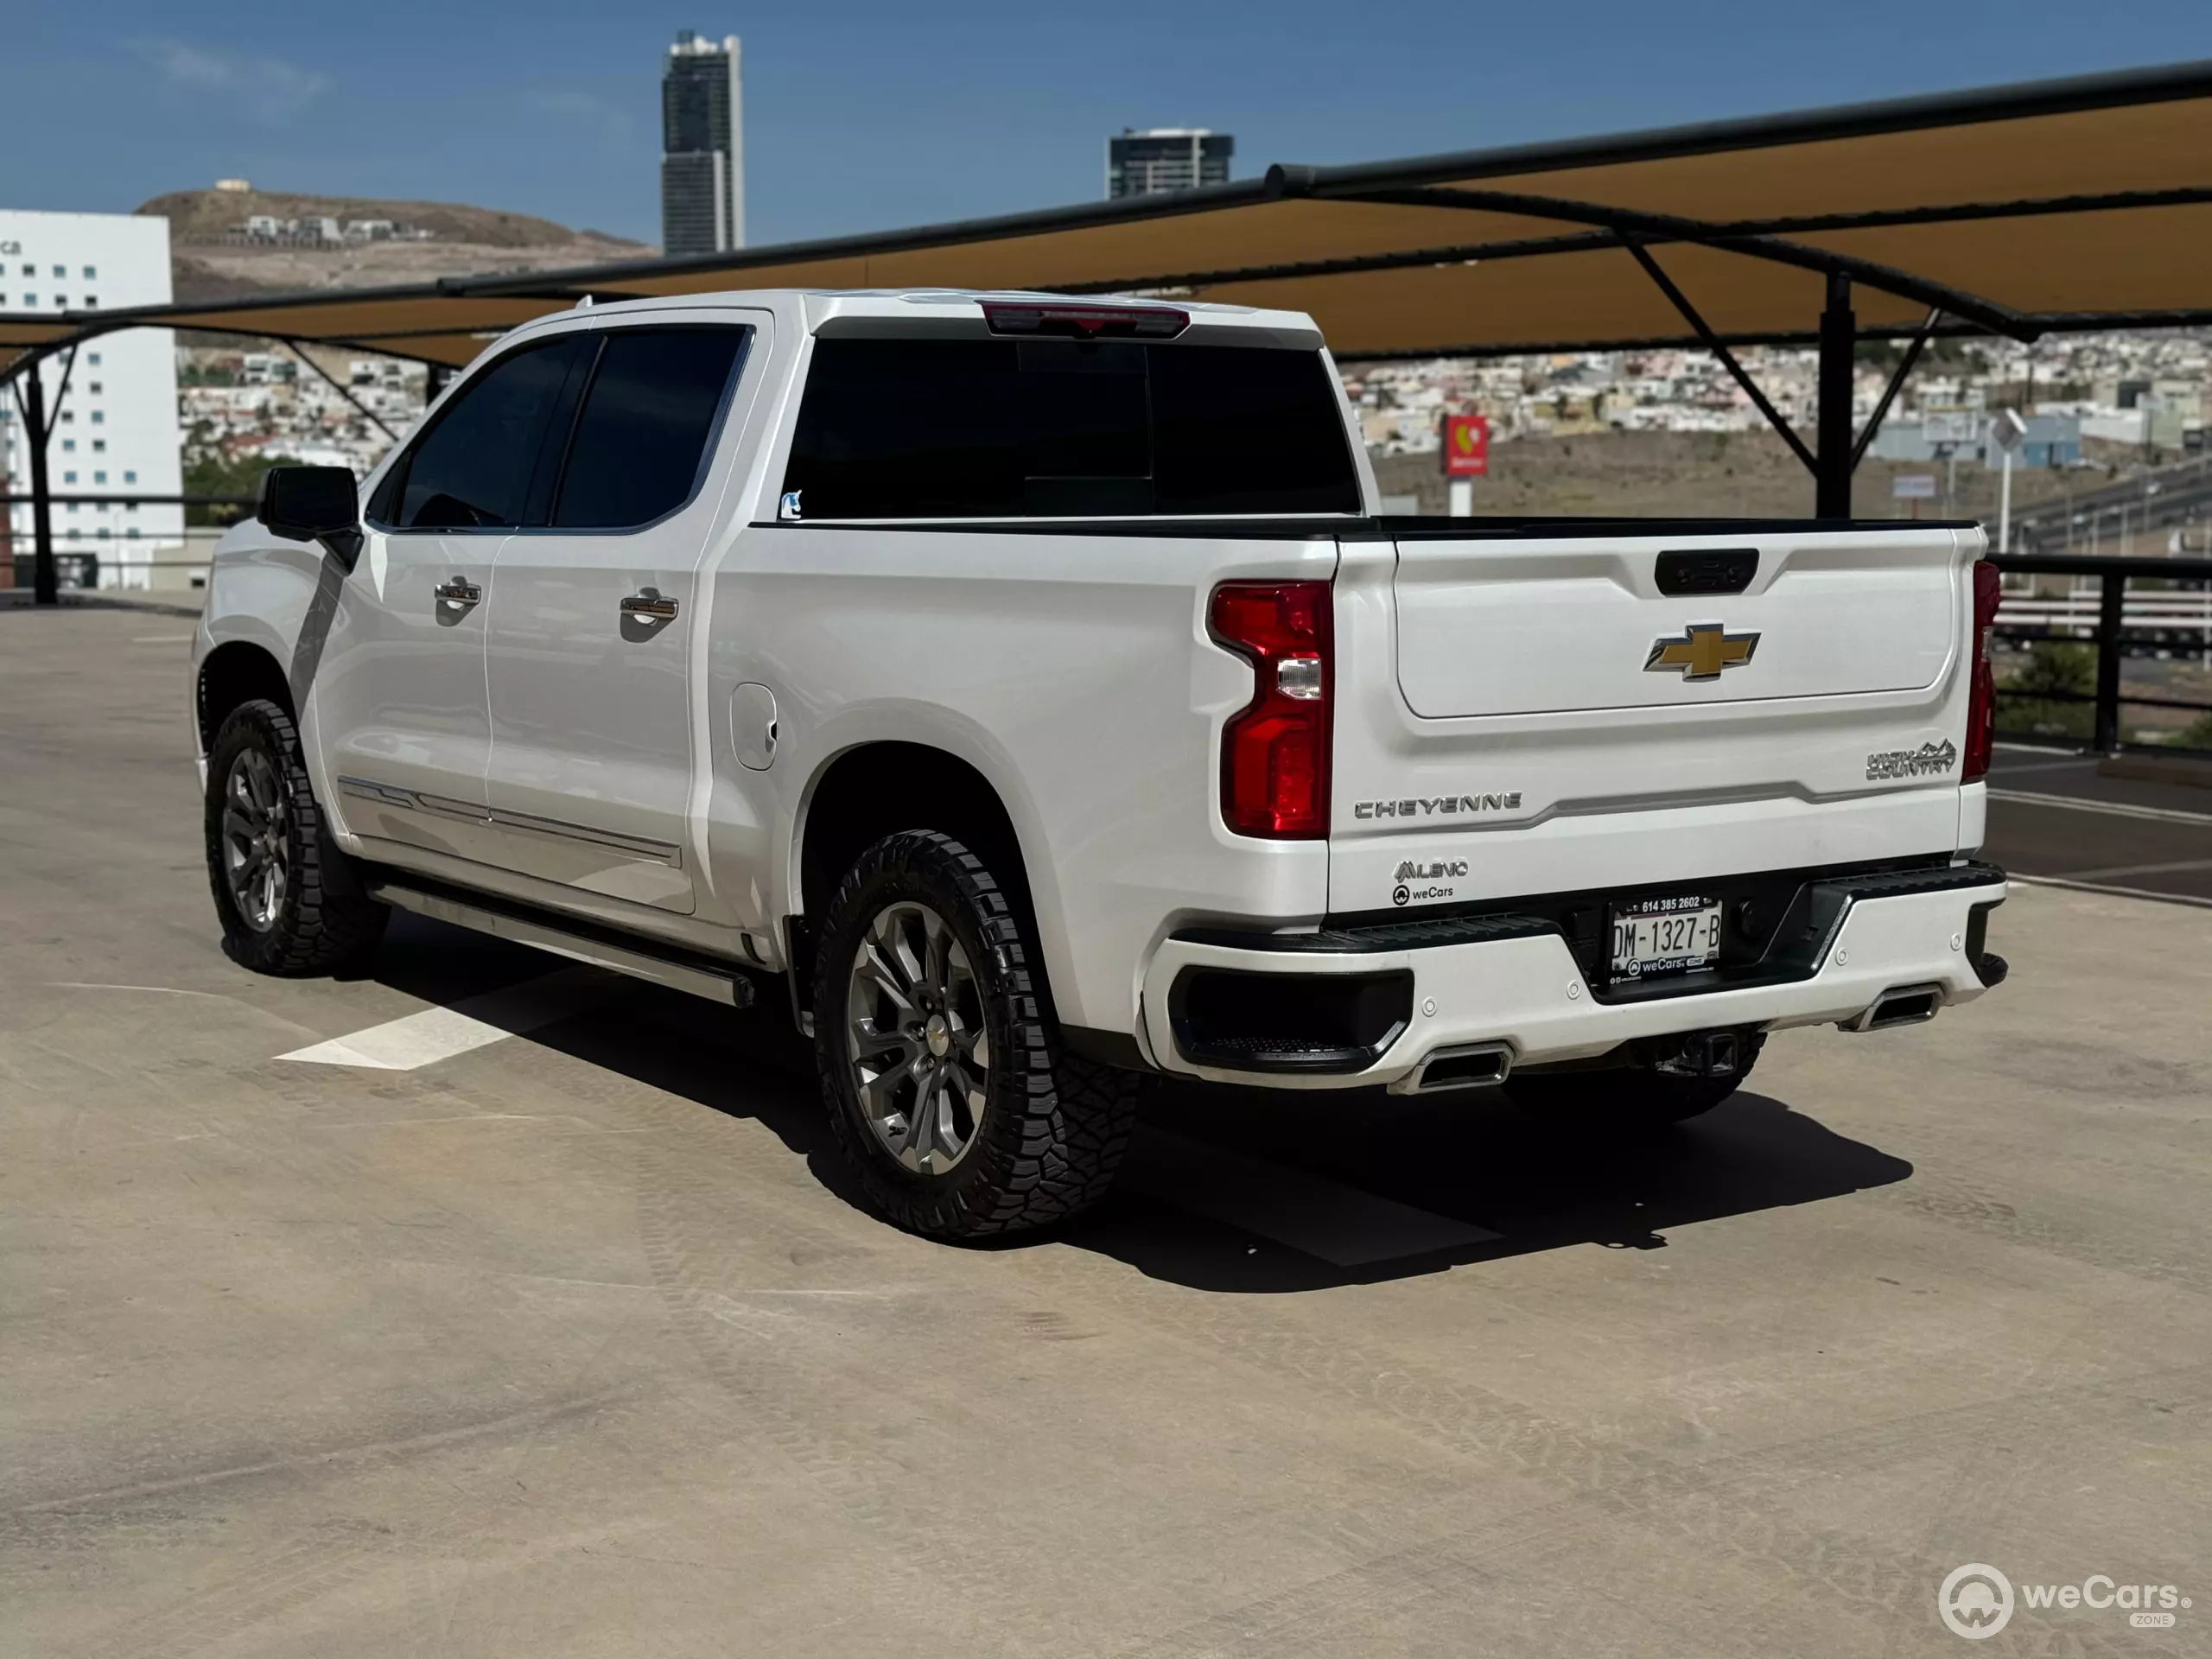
<point>114,407</point>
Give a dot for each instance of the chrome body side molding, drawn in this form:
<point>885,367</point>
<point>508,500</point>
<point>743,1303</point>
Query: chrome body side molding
<point>409,800</point>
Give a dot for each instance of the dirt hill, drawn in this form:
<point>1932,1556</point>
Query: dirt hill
<point>204,216</point>
<point>464,241</point>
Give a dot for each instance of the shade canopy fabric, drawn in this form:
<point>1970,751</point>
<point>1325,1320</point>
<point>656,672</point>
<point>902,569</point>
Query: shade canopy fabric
<point>2019,211</point>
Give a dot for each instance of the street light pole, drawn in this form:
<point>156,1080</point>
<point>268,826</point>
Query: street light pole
<point>2006,431</point>
<point>2005,506</point>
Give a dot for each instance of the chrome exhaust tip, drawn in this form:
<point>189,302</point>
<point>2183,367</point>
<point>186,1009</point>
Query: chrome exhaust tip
<point>1470,1065</point>
<point>1901,1005</point>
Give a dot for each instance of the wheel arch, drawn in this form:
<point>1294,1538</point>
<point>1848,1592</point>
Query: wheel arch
<point>236,671</point>
<point>873,788</point>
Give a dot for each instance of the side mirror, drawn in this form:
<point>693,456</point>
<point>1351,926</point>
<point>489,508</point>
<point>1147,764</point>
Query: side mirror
<point>314,504</point>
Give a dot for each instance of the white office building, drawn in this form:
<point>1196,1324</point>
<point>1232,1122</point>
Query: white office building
<point>114,409</point>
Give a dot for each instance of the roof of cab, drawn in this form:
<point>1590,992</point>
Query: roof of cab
<point>943,312</point>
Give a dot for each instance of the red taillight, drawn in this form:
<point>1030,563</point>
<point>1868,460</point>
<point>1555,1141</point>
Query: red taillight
<point>1981,705</point>
<point>1275,753</point>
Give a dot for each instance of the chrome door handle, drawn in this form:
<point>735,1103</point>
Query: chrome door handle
<point>458,592</point>
<point>650,602</point>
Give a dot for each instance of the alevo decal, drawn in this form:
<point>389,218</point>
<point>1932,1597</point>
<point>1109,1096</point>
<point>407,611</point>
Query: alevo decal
<point>1432,870</point>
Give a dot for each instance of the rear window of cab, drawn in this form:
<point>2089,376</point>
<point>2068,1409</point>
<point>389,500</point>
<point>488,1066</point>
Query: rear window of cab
<point>1003,429</point>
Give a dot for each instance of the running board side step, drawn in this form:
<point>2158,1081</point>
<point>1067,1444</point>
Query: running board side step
<point>679,972</point>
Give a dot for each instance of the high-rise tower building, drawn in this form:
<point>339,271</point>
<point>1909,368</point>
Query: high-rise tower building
<point>1161,159</point>
<point>703,146</point>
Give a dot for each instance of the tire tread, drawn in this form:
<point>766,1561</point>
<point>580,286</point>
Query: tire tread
<point>1072,1117</point>
<point>333,924</point>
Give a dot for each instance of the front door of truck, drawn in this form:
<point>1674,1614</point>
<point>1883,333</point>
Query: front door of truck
<point>398,693</point>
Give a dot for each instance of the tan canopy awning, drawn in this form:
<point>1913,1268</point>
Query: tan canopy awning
<point>2020,210</point>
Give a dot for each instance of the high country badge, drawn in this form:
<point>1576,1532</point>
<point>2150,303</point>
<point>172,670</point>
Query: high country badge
<point>1928,760</point>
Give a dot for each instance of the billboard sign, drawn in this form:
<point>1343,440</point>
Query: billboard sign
<point>1466,446</point>
<point>1913,486</point>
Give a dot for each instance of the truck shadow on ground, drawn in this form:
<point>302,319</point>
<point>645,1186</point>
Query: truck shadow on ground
<point>1473,1159</point>
<point>1249,1192</point>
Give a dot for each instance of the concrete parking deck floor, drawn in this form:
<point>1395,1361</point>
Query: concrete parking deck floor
<point>575,1342</point>
<point>2054,817</point>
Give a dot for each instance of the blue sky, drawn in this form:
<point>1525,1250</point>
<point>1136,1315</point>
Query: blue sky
<point>865,116</point>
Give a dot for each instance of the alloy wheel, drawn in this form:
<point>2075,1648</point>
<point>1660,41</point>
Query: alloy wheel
<point>915,1035</point>
<point>257,841</point>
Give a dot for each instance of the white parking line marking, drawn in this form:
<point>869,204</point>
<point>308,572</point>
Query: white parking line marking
<point>418,1039</point>
<point>2173,869</point>
<point>151,990</point>
<point>2115,808</point>
<point>2076,763</point>
<point>1341,1225</point>
<point>2116,891</point>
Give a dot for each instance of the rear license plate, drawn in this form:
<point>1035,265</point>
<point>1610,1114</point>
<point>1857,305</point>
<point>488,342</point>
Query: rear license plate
<point>1665,936</point>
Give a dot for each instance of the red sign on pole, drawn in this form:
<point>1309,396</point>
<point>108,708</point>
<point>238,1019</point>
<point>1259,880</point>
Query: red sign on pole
<point>1466,446</point>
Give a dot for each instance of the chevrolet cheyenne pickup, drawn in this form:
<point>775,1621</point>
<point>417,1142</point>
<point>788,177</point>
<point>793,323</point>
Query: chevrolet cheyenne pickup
<point>1032,686</point>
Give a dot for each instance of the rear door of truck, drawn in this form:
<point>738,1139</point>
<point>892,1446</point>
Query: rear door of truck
<point>1543,710</point>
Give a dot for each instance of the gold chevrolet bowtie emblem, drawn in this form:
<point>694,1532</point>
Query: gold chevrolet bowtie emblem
<point>1701,651</point>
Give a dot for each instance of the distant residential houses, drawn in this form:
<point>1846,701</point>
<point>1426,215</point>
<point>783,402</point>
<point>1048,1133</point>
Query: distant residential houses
<point>320,231</point>
<point>246,403</point>
<point>2151,392</point>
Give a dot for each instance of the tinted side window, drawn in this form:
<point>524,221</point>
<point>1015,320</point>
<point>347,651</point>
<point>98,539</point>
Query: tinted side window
<point>891,428</point>
<point>473,468</point>
<point>647,416</point>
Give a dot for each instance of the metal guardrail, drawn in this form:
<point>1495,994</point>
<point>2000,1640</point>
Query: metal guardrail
<point>2148,622</point>
<point>85,559</point>
<point>2168,620</point>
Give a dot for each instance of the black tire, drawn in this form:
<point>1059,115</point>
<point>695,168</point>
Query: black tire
<point>1628,1097</point>
<point>317,920</point>
<point>1053,1126</point>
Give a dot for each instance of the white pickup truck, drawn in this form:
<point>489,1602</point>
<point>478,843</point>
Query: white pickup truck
<point>1033,685</point>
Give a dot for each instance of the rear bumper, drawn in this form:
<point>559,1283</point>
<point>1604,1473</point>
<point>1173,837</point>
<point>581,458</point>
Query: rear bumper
<point>1372,1006</point>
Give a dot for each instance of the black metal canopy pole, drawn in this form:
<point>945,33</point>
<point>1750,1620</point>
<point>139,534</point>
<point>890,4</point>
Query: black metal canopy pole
<point>1835,445</point>
<point>1890,392</point>
<point>1714,344</point>
<point>347,393</point>
<point>46,586</point>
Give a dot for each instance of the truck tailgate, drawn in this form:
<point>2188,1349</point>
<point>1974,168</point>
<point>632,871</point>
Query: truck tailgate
<point>1505,628</point>
<point>1542,712</point>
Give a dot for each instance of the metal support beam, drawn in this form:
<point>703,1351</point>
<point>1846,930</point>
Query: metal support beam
<point>1672,227</point>
<point>1714,344</point>
<point>1832,466</point>
<point>1896,384</point>
<point>68,368</point>
<point>46,586</point>
<point>2111,603</point>
<point>347,393</point>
